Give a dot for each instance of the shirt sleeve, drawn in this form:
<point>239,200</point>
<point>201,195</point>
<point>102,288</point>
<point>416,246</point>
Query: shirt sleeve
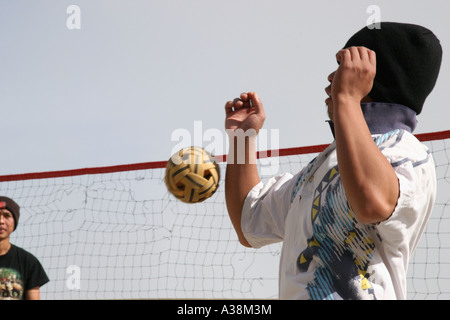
<point>36,276</point>
<point>415,169</point>
<point>265,210</point>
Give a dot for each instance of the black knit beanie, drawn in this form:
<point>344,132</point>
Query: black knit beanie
<point>408,62</point>
<point>10,205</point>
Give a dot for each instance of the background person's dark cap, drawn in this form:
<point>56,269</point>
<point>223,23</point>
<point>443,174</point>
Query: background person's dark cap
<point>10,205</point>
<point>408,62</point>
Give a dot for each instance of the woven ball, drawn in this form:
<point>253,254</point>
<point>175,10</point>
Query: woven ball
<point>192,175</point>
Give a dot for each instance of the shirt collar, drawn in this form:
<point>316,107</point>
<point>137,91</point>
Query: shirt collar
<point>384,117</point>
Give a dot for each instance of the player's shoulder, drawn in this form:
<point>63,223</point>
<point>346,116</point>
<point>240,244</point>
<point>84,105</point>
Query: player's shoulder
<point>398,138</point>
<point>401,145</point>
<point>22,253</point>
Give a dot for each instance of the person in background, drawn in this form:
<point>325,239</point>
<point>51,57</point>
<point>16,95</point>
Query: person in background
<point>21,273</point>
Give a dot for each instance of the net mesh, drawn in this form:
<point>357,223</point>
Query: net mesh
<point>116,233</point>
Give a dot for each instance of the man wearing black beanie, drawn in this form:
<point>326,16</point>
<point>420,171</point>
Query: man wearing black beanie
<point>21,273</point>
<point>350,220</point>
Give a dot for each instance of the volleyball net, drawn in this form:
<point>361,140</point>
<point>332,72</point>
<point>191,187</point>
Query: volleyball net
<point>116,233</point>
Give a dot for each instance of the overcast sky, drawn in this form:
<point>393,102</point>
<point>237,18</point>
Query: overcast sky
<point>115,87</point>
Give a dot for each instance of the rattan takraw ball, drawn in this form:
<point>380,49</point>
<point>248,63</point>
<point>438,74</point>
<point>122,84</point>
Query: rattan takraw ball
<point>192,175</point>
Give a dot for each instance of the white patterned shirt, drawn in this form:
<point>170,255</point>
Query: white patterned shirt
<point>327,253</point>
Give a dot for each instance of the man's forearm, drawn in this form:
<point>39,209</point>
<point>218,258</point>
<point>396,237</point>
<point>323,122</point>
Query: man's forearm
<point>241,176</point>
<point>369,180</point>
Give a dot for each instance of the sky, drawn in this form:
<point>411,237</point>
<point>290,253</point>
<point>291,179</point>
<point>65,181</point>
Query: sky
<point>116,82</point>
